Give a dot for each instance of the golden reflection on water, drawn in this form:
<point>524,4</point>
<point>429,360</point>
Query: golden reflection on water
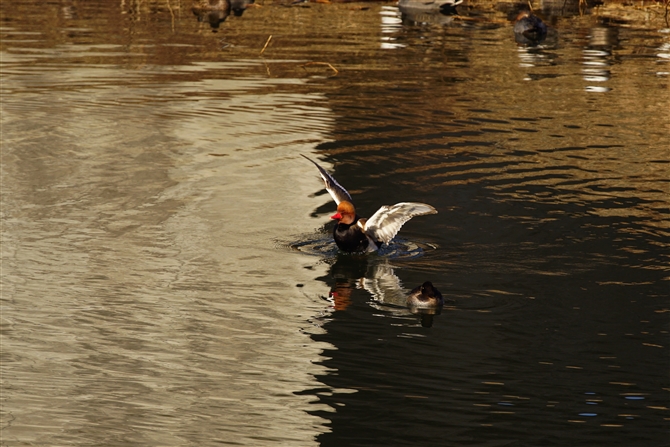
<point>125,243</point>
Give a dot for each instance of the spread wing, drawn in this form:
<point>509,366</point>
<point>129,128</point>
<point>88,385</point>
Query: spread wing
<point>386,222</point>
<point>337,192</point>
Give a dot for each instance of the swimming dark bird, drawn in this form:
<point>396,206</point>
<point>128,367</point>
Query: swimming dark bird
<point>355,234</point>
<point>216,11</point>
<point>446,7</point>
<point>529,28</point>
<point>426,301</point>
<point>425,296</point>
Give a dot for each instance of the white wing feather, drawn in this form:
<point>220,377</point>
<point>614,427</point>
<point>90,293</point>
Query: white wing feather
<point>336,191</point>
<point>386,222</point>
<point>384,286</point>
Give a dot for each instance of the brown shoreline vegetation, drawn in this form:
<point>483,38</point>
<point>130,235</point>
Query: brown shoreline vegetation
<point>637,12</point>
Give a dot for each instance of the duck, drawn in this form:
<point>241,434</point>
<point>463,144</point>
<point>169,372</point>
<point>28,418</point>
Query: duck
<point>529,28</point>
<point>353,233</point>
<point>216,11</point>
<point>425,296</point>
<point>446,7</point>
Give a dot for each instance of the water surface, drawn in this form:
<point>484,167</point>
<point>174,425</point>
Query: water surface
<point>167,272</point>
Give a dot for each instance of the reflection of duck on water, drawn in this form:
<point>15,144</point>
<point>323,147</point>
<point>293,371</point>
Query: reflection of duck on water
<point>215,12</point>
<point>346,272</point>
<point>529,29</point>
<point>386,289</point>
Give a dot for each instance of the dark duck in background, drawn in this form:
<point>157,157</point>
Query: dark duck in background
<point>529,28</point>
<point>215,12</point>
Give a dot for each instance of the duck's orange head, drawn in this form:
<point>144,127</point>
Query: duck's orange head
<point>345,212</point>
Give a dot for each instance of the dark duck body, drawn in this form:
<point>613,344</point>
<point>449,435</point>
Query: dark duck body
<point>529,28</point>
<point>349,237</point>
<point>216,11</point>
<point>355,234</point>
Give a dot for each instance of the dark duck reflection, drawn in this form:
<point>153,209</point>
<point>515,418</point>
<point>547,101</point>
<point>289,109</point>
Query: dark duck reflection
<point>356,234</point>
<point>529,29</point>
<point>346,273</point>
<point>386,289</point>
<point>349,273</point>
<point>378,278</point>
<point>426,301</point>
<point>215,12</point>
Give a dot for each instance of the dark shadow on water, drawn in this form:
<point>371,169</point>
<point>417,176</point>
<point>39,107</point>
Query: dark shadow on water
<point>545,346</point>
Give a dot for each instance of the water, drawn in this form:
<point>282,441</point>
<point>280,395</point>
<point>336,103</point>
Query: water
<point>168,274</point>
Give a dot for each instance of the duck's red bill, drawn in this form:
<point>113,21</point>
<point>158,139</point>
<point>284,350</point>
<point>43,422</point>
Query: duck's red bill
<point>337,216</point>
